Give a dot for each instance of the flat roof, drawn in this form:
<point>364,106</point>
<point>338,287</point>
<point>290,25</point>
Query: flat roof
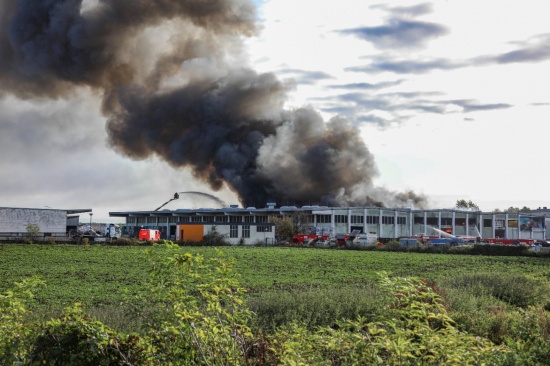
<point>69,211</point>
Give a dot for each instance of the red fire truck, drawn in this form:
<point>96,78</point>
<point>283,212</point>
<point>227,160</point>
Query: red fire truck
<point>149,235</point>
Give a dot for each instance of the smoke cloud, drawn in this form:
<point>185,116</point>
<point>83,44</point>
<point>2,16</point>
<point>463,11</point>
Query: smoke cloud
<point>174,83</point>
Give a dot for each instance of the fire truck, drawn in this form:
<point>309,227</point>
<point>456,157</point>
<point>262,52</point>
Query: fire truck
<point>149,235</point>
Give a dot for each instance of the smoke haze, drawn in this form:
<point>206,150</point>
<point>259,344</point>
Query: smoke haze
<point>174,83</point>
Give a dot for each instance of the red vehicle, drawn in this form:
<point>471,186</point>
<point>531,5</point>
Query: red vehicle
<point>149,235</point>
<point>300,239</point>
<point>509,241</point>
<point>342,239</point>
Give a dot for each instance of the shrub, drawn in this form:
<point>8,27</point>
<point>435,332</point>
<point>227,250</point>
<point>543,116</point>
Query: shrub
<point>15,332</point>
<point>315,307</point>
<point>33,231</point>
<point>205,318</point>
<point>75,339</point>
<point>415,330</point>
<point>518,290</point>
<point>392,245</point>
<point>215,238</point>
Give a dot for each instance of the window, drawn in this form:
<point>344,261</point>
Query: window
<point>174,219</point>
<point>460,221</point>
<point>446,221</point>
<point>432,221</point>
<point>323,219</point>
<point>233,231</point>
<point>373,219</point>
<point>235,219</point>
<point>163,220</point>
<point>401,220</point>
<point>418,220</point>
<point>261,219</point>
<point>185,218</point>
<point>220,219</point>
<point>341,219</point>
<point>249,219</point>
<point>487,222</point>
<point>263,228</point>
<point>141,220</point>
<point>499,224</point>
<point>388,220</point>
<point>512,223</point>
<point>472,221</point>
<point>208,219</point>
<point>151,220</point>
<point>356,219</point>
<point>246,231</point>
<point>131,220</point>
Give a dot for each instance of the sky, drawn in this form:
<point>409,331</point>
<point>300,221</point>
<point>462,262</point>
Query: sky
<point>451,98</point>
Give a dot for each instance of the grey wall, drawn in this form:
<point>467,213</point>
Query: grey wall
<point>16,220</point>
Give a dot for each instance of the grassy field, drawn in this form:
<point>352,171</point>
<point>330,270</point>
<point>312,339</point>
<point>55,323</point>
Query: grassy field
<point>106,275</point>
<point>504,300</point>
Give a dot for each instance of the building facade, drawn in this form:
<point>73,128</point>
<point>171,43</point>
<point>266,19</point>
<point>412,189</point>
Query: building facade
<point>254,225</point>
<point>51,223</point>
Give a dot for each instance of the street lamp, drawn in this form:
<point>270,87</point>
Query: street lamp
<point>91,214</point>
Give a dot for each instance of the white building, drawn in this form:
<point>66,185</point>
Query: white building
<point>52,223</point>
<point>253,225</point>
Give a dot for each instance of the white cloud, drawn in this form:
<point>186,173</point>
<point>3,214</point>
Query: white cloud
<point>54,153</point>
<point>488,155</point>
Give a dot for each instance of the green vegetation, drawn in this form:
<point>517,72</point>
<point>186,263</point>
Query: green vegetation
<point>114,305</point>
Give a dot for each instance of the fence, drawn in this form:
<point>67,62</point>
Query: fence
<point>18,237</point>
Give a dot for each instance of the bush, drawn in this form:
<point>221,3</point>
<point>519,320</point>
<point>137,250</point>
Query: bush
<point>33,231</point>
<point>314,307</point>
<point>392,245</point>
<point>416,330</point>
<point>215,238</point>
<point>15,332</point>
<point>75,339</point>
<point>517,290</point>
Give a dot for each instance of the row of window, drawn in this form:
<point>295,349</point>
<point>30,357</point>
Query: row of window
<point>260,219</point>
<point>245,230</point>
<point>445,221</point>
<point>197,218</point>
<point>323,219</point>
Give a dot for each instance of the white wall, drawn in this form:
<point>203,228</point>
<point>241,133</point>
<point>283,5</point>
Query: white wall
<point>15,220</point>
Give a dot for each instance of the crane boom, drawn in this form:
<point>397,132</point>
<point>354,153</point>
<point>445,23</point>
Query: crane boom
<point>176,196</point>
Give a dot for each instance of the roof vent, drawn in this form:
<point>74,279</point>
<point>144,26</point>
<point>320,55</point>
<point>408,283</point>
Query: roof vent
<point>271,205</point>
<point>233,206</point>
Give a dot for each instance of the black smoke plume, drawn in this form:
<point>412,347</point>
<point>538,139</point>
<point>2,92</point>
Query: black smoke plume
<point>173,80</point>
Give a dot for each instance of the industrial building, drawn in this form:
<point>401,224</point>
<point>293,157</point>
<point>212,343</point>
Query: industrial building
<point>52,224</point>
<point>252,225</point>
<point>255,225</point>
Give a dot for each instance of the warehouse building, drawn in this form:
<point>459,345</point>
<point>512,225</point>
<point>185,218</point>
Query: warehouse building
<point>252,225</point>
<point>52,224</point>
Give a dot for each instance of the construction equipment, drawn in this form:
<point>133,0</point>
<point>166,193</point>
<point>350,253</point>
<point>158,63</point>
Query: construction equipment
<point>176,196</point>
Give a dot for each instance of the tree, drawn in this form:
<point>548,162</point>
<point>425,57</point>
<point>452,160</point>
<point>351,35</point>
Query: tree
<point>288,225</point>
<point>32,232</point>
<point>468,205</point>
<point>512,209</point>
